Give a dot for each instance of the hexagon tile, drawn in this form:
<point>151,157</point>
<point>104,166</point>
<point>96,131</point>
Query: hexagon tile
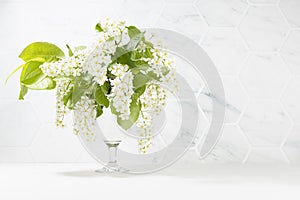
<point>187,21</point>
<point>226,48</point>
<point>292,145</point>
<point>264,28</point>
<point>264,76</point>
<point>236,100</point>
<point>232,147</point>
<point>54,144</point>
<point>264,1</point>
<point>265,123</point>
<point>291,51</point>
<point>291,99</point>
<point>266,155</point>
<point>18,123</point>
<point>291,10</point>
<point>130,9</point>
<point>227,13</point>
<point>15,154</point>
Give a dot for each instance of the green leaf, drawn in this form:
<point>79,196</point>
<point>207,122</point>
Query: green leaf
<point>138,92</point>
<point>153,76</point>
<point>70,52</point>
<point>135,108</point>
<point>105,87</point>
<point>41,50</point>
<point>31,73</point>
<point>79,48</point>
<point>123,56</point>
<point>13,72</point>
<point>133,31</point>
<point>67,98</point>
<point>98,27</point>
<point>23,92</point>
<point>99,111</point>
<point>140,80</point>
<point>46,83</point>
<point>134,42</point>
<point>139,69</point>
<point>113,110</point>
<point>100,97</point>
<point>82,86</point>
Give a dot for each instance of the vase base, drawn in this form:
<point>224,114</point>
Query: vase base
<point>115,169</point>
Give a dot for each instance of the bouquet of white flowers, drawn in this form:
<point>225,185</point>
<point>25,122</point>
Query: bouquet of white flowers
<point>121,70</point>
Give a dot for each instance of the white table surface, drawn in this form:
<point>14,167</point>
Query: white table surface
<point>181,181</point>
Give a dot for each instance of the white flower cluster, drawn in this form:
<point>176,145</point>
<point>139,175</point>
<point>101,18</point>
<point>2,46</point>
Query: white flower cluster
<point>162,66</point>
<point>153,101</point>
<point>122,90</point>
<point>115,30</point>
<point>114,34</point>
<point>64,86</point>
<point>84,118</point>
<point>98,60</point>
<point>69,66</point>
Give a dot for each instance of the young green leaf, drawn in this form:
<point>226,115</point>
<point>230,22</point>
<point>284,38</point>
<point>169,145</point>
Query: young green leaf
<point>31,73</point>
<point>98,27</point>
<point>41,50</point>
<point>13,72</point>
<point>46,83</point>
<point>79,48</point>
<point>70,52</point>
<point>23,92</point>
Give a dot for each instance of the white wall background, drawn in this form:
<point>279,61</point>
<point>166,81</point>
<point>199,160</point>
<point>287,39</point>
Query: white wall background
<point>255,45</point>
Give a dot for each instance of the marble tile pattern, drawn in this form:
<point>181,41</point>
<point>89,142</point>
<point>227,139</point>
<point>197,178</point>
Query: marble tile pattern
<point>264,76</point>
<point>255,45</point>
<point>263,28</point>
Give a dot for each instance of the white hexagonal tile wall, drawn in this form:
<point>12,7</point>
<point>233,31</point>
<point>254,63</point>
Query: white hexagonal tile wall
<point>264,28</point>
<point>15,154</point>
<point>187,21</point>
<point>235,100</point>
<point>291,99</point>
<point>266,155</point>
<point>140,13</point>
<point>222,12</point>
<point>264,75</point>
<point>202,128</point>
<point>205,102</point>
<point>232,147</point>
<point>292,145</point>
<point>54,144</point>
<point>291,51</point>
<point>264,1</point>
<point>265,123</point>
<point>185,69</point>
<point>44,104</point>
<point>18,123</point>
<point>291,10</point>
<point>226,48</point>
<point>180,1</point>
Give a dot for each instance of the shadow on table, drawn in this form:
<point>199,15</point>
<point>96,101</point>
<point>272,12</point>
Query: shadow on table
<point>212,173</point>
